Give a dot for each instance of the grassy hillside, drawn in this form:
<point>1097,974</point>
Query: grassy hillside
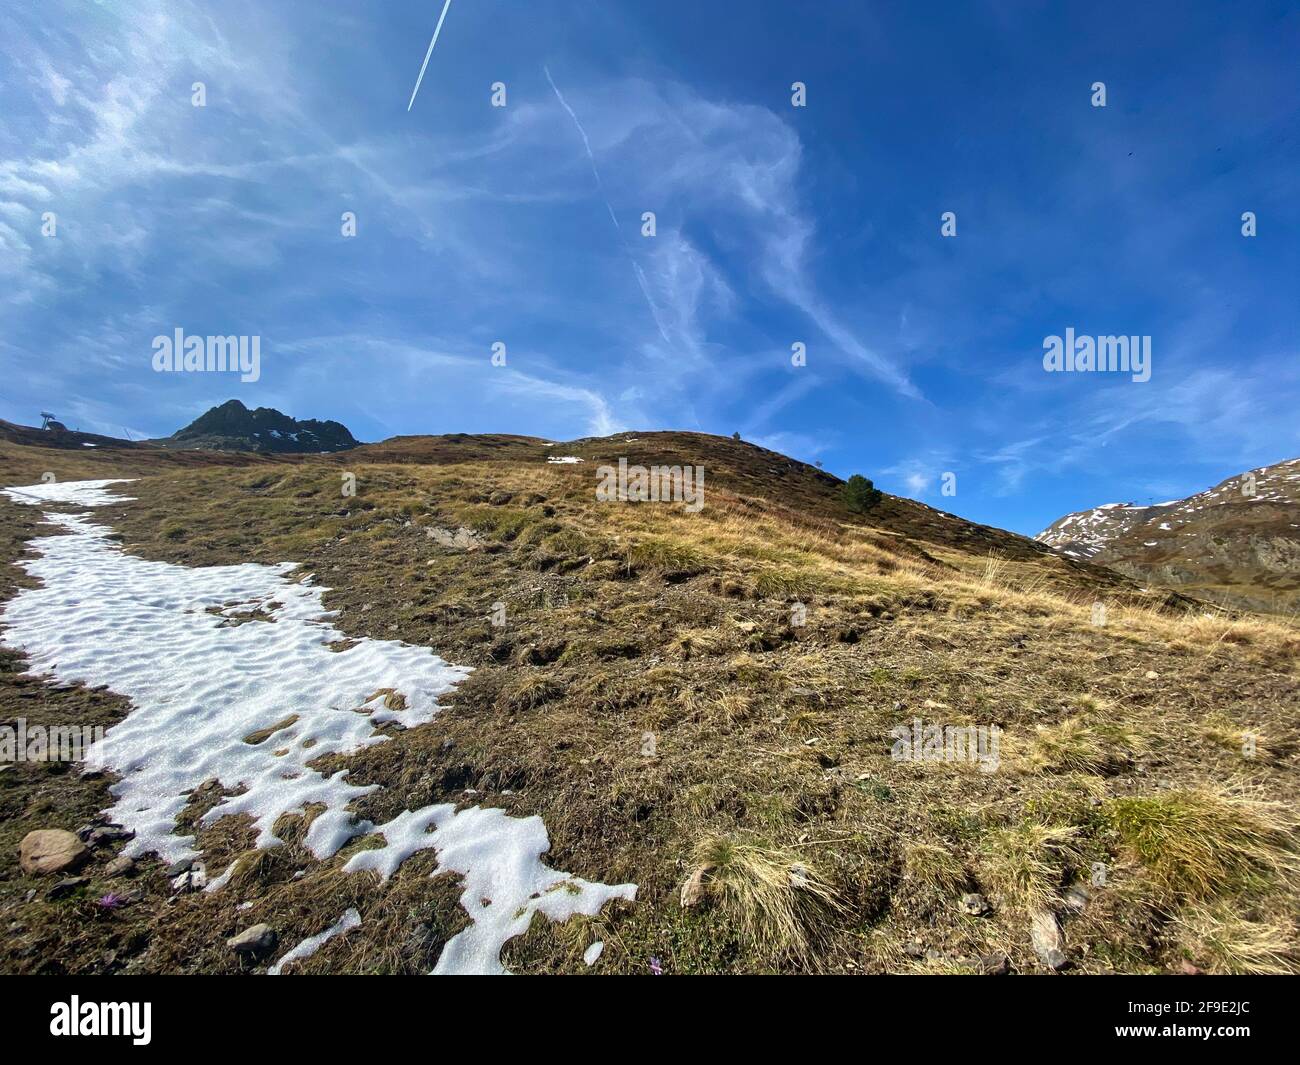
<point>702,703</point>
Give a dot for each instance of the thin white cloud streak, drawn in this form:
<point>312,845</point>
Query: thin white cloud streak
<point>601,420</point>
<point>734,168</point>
<point>600,185</point>
<point>805,382</point>
<point>418,361</point>
<point>1224,419</point>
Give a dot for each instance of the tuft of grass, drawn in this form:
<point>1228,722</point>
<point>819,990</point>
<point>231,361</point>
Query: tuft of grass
<point>785,583</point>
<point>497,522</point>
<point>1082,745</point>
<point>1200,844</point>
<point>772,895</point>
<point>532,690</point>
<point>995,572</point>
<point>255,867</point>
<point>1249,743</point>
<point>1221,940</point>
<point>933,868</point>
<point>747,670</point>
<point>674,559</point>
<point>733,706</point>
<point>696,643</point>
<point>567,542</point>
<point>1024,865</point>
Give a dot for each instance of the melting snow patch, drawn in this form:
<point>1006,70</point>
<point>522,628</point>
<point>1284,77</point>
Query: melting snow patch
<point>505,882</point>
<point>310,945</point>
<point>82,493</point>
<point>251,705</point>
<point>566,459</point>
<point>155,633</point>
<point>592,954</point>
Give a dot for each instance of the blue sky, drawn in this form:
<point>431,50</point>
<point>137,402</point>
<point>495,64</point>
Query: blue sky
<point>775,225</point>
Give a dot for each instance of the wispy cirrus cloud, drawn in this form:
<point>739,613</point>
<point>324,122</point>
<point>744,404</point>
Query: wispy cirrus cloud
<point>522,225</point>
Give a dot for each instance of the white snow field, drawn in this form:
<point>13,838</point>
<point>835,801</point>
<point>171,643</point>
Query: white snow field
<point>165,637</point>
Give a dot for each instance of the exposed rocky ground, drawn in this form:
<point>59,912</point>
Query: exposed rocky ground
<point>230,427</point>
<point>233,427</point>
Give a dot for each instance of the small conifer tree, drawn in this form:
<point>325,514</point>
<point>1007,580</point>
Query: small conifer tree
<point>860,494</point>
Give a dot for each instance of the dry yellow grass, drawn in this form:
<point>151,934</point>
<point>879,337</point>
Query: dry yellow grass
<point>774,895</point>
<point>1023,865</point>
<point>771,739</point>
<point>1222,940</point>
<point>933,868</point>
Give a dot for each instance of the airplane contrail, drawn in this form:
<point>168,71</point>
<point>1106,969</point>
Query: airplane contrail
<point>425,64</point>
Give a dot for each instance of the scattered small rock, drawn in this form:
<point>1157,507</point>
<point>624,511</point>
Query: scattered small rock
<point>66,887</point>
<point>1151,674</point>
<point>193,879</point>
<point>461,539</point>
<point>994,964</point>
<point>693,891</point>
<point>1077,897</point>
<point>974,904</point>
<point>1046,936</point>
<point>253,941</point>
<point>121,866</point>
<point>51,850</point>
<point>182,866</point>
<point>109,834</point>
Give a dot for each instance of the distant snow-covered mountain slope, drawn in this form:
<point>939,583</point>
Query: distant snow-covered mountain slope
<point>1237,543</point>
